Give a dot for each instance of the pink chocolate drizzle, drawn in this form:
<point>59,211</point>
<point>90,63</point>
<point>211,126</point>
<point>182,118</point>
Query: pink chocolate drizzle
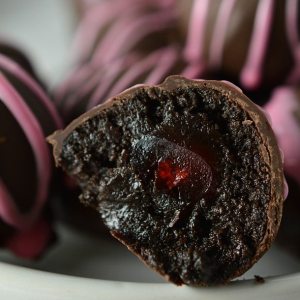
<point>252,70</point>
<point>133,31</point>
<point>94,22</point>
<point>155,64</point>
<point>18,72</point>
<point>31,242</point>
<point>196,33</point>
<point>219,33</point>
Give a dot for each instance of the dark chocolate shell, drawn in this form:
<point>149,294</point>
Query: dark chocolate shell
<point>186,174</point>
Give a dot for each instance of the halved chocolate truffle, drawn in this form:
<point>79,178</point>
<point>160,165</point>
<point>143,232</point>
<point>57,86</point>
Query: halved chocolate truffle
<point>186,174</point>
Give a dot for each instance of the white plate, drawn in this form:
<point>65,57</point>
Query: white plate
<point>83,267</point>
<point>89,267</point>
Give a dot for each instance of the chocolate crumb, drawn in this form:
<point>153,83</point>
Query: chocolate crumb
<point>247,122</point>
<point>259,279</point>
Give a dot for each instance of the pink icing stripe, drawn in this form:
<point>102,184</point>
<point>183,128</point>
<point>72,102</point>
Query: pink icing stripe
<point>30,243</point>
<point>8,210</point>
<point>19,73</point>
<point>219,33</point>
<point>104,45</point>
<point>74,79</point>
<point>86,88</point>
<point>162,68</point>
<point>71,97</point>
<point>281,108</point>
<point>116,68</point>
<point>106,73</point>
<point>291,19</point>
<point>94,21</point>
<point>192,71</point>
<point>133,73</point>
<point>133,31</point>
<point>196,32</point>
<point>286,188</point>
<point>251,73</point>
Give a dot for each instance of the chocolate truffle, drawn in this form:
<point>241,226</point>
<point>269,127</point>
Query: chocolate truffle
<point>186,174</point>
<point>284,111</point>
<point>254,43</point>
<point>27,115</point>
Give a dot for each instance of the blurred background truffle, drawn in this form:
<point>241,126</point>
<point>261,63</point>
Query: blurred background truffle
<point>27,115</point>
<point>254,43</point>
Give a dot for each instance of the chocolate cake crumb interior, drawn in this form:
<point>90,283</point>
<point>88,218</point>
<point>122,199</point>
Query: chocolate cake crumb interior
<point>200,233</point>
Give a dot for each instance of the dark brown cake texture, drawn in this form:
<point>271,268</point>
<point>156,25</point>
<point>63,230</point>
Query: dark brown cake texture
<point>186,174</point>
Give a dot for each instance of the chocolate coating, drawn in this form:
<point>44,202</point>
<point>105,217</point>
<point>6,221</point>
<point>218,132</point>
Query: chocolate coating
<point>186,174</point>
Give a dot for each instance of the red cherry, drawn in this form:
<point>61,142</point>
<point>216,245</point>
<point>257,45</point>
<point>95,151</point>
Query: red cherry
<point>169,175</point>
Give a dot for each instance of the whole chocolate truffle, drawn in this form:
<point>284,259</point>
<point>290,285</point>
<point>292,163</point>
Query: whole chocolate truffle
<point>254,43</point>
<point>186,174</point>
<point>27,116</point>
